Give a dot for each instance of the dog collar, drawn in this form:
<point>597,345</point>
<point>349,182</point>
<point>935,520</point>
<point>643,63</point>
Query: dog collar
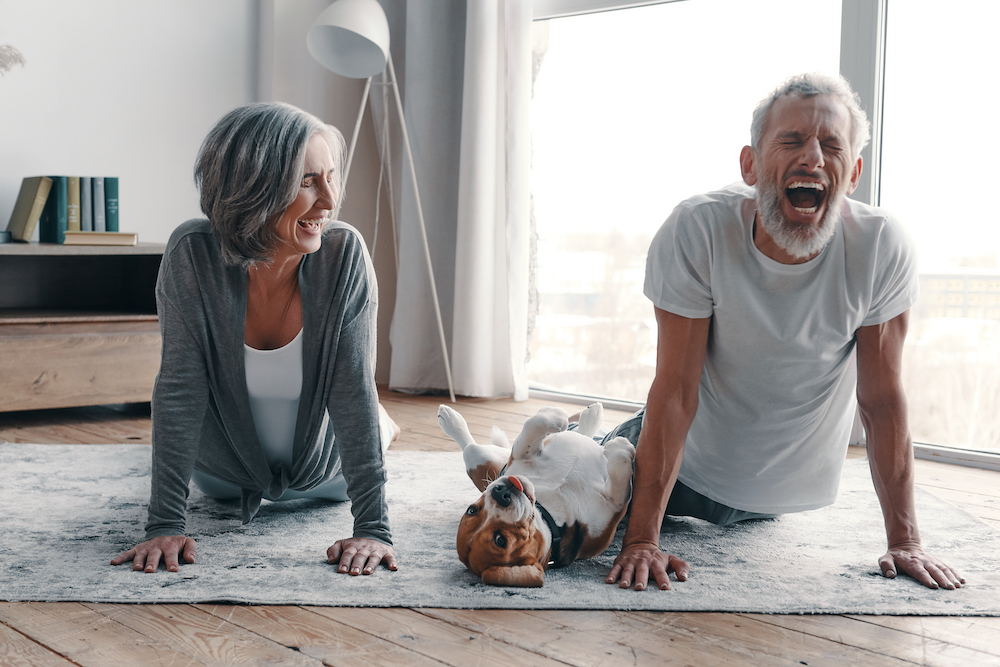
<point>557,535</point>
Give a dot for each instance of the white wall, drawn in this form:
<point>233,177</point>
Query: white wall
<point>122,88</point>
<point>289,74</point>
<point>130,88</point>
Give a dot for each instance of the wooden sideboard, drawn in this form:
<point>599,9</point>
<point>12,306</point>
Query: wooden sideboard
<point>78,325</point>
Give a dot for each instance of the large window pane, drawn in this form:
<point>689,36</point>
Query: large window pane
<point>939,174</point>
<point>633,111</point>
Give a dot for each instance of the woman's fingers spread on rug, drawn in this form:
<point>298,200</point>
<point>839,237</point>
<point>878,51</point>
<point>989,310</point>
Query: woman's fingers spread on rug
<point>360,555</point>
<point>123,557</point>
<point>921,566</point>
<point>152,560</point>
<point>146,556</point>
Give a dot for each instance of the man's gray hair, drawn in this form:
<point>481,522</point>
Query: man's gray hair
<point>810,85</point>
<point>249,170</point>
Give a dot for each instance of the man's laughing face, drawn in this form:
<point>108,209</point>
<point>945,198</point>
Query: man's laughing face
<point>803,167</point>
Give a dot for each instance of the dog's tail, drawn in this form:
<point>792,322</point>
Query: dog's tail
<point>499,438</point>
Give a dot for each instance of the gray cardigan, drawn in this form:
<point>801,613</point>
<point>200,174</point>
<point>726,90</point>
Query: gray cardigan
<point>201,409</point>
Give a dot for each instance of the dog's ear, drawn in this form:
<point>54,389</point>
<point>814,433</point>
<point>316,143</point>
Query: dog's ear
<point>524,576</point>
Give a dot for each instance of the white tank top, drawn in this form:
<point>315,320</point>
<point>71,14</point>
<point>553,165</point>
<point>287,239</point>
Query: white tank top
<point>274,382</point>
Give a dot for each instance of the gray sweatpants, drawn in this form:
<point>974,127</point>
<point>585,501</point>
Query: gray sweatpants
<point>683,501</point>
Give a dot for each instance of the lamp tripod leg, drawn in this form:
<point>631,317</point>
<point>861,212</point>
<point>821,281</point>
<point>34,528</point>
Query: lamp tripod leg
<point>357,129</point>
<point>423,231</point>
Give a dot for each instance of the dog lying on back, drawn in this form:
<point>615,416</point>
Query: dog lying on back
<point>554,497</point>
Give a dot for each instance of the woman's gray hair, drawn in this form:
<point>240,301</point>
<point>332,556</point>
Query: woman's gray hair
<point>810,85</point>
<point>249,170</point>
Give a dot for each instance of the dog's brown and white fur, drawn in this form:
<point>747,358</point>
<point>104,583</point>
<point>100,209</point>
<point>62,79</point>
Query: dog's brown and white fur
<point>503,537</point>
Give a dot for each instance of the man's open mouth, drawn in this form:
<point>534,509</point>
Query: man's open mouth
<point>805,196</point>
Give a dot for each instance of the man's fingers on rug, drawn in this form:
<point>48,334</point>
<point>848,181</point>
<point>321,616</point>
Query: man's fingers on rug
<point>888,566</point>
<point>679,567</point>
<point>628,571</point>
<point>662,578</point>
<point>641,576</point>
<point>933,574</point>
<point>924,568</point>
<point>943,578</point>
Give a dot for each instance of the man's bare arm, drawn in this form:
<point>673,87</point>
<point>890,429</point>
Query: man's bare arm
<point>670,409</point>
<point>890,453</point>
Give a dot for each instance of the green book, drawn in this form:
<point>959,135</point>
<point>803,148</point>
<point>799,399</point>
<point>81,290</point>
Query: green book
<point>52,226</point>
<point>111,203</point>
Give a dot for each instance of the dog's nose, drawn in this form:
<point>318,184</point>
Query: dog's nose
<point>502,494</point>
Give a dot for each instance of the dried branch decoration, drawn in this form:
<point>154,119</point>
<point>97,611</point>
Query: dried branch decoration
<point>9,56</point>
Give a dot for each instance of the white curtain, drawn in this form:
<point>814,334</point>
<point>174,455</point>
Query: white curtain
<point>471,143</point>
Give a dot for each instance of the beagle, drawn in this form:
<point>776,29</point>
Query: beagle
<point>554,497</point>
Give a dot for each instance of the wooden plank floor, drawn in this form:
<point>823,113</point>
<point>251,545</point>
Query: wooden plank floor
<point>105,635</point>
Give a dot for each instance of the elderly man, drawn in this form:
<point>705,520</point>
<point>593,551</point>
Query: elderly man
<point>775,306</point>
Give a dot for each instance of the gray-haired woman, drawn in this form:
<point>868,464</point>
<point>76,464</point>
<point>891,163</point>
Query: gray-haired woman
<point>268,316</point>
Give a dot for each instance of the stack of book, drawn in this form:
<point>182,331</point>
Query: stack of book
<point>71,210</point>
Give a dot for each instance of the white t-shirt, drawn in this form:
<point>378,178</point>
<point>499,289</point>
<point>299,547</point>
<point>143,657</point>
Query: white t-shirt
<point>274,383</point>
<point>778,390</point>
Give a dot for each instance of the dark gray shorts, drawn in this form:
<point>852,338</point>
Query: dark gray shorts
<point>683,501</point>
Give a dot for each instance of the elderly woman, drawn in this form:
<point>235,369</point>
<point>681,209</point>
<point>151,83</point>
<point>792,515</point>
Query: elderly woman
<point>267,309</point>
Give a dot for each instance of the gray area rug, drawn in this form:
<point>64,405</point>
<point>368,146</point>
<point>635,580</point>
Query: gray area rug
<point>65,511</point>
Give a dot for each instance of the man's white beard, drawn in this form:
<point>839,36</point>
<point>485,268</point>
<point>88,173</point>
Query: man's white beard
<point>798,240</point>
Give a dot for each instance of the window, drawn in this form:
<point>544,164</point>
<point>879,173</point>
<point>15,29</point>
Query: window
<point>633,111</point>
<point>938,167</point>
<point>636,109</point>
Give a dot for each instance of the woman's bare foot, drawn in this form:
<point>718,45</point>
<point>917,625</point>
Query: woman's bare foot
<point>395,427</point>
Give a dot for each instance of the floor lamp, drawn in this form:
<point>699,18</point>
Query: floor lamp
<point>351,38</point>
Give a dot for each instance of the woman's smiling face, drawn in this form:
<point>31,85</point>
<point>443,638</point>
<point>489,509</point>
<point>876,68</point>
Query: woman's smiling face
<point>300,227</point>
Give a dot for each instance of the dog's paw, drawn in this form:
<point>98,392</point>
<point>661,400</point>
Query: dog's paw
<point>620,448</point>
<point>549,420</point>
<point>591,419</point>
<point>454,425</point>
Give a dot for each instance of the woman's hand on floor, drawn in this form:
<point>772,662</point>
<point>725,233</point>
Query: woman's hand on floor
<point>146,556</point>
<point>361,555</point>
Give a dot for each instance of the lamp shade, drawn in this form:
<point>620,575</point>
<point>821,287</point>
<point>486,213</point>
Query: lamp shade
<point>351,38</point>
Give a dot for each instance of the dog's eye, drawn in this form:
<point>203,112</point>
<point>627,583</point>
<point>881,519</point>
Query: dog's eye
<point>499,540</point>
<point>472,511</point>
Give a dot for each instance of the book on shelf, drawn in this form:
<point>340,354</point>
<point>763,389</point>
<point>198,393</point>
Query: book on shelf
<point>86,205</point>
<point>52,225</point>
<point>28,207</point>
<point>98,198</point>
<point>73,203</point>
<point>111,203</point>
<point>59,204</point>
<point>101,238</point>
